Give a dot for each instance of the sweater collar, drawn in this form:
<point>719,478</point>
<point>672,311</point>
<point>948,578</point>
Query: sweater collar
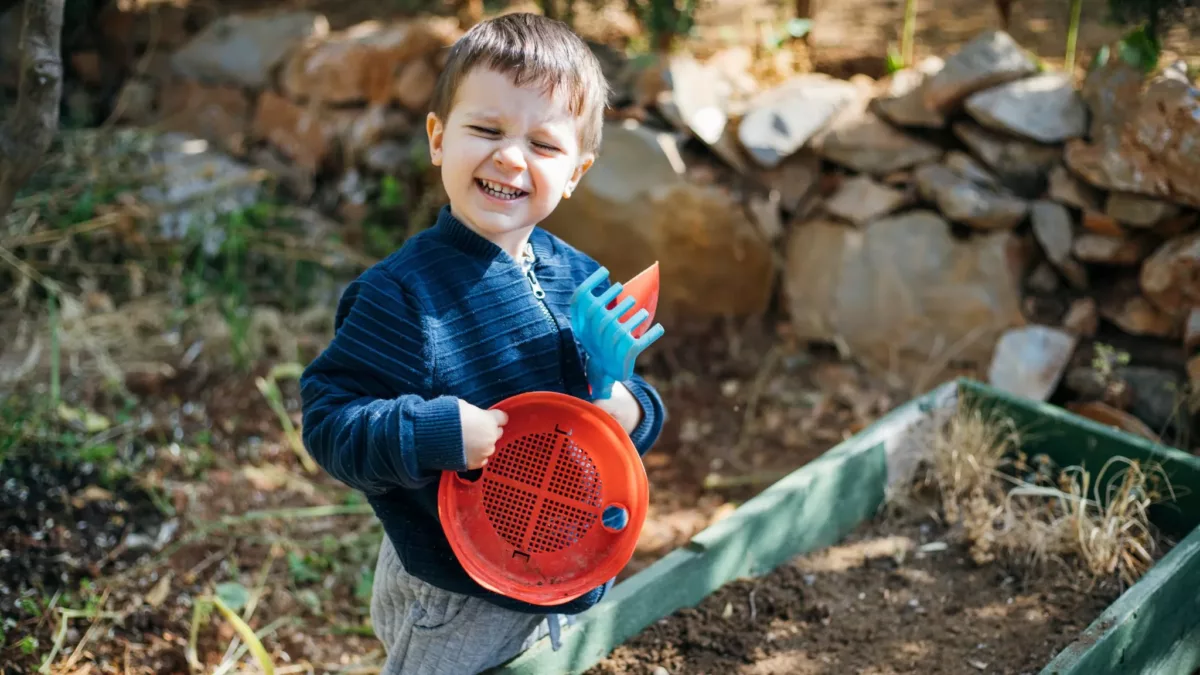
<point>458,235</point>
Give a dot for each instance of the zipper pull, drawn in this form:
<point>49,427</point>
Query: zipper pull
<point>538,291</point>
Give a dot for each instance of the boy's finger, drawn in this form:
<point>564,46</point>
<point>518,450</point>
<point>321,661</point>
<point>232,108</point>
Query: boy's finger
<point>500,416</point>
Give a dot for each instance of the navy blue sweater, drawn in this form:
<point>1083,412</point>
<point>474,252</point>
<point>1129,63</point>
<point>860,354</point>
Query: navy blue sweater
<point>449,315</point>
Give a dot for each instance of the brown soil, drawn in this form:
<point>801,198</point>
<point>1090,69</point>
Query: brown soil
<point>872,605</point>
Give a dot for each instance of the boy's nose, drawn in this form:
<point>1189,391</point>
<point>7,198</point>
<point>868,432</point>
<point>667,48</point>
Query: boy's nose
<point>509,157</point>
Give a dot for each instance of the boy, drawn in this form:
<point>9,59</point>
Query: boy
<point>465,314</point>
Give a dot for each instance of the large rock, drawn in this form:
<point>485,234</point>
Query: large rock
<point>1111,93</point>
<point>783,119</point>
<point>991,58</point>
<point>360,63</point>
<point>1170,278</point>
<point>1053,230</point>
<point>1029,361</point>
<point>964,201</point>
<point>1045,108</point>
<point>243,50</point>
<point>634,208</point>
<point>904,294</point>
<point>1023,166</point>
<point>1154,153</point>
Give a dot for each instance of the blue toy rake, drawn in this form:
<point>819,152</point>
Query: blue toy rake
<point>614,327</point>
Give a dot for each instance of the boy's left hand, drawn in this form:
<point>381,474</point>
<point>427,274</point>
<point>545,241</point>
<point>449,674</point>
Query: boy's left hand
<point>623,407</point>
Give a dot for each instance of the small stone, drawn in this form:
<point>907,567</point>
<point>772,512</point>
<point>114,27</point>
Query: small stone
<point>659,670</point>
<point>794,179</point>
<point>860,200</point>
<point>1029,361</point>
<point>1043,279</point>
<point>903,102</point>
<point>1053,230</point>
<point>1102,223</point>
<point>966,166</point>
<point>860,140</point>
<point>1170,278</point>
<point>1083,318</point>
<point>990,59</point>
<point>386,157</point>
<point>764,210</point>
<point>1156,394</point>
<point>783,119</point>
<point>1178,225</point>
<point>1139,211</point>
<point>1137,316</point>
<point>964,201</point>
<point>1023,166</point>
<point>1067,189</point>
<point>1098,248</point>
<point>1191,331</point>
<point>1099,411</point>
<point>1044,108</point>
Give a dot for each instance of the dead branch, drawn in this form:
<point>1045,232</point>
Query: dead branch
<point>26,134</point>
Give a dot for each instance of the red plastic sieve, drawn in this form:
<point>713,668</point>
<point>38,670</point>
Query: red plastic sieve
<point>557,510</point>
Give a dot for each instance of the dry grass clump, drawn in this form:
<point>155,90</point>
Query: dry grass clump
<point>1026,512</point>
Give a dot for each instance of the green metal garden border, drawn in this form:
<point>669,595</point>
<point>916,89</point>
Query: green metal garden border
<point>1154,627</point>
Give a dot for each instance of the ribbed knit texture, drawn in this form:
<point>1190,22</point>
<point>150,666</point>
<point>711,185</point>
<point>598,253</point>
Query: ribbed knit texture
<point>450,315</point>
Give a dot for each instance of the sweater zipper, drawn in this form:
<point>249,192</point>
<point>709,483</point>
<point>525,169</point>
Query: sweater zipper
<point>540,294</point>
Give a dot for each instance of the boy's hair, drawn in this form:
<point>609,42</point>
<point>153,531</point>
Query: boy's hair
<point>533,50</point>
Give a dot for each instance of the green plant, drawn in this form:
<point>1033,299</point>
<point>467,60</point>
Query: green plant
<point>665,20</point>
<point>1073,34</point>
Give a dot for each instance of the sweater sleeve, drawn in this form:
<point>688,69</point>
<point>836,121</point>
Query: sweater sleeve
<point>368,418</point>
<point>654,411</point>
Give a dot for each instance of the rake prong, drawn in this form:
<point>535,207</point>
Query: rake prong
<point>634,321</point>
<point>609,295</point>
<point>589,284</point>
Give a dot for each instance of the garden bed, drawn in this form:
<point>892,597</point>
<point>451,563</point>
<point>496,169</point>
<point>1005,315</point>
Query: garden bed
<point>1070,612</point>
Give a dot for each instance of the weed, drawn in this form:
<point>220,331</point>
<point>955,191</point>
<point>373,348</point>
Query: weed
<point>1029,512</point>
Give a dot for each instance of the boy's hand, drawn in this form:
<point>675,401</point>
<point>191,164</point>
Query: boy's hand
<point>623,407</point>
<point>480,429</point>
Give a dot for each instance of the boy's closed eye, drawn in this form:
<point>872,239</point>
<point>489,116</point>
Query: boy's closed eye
<point>492,133</point>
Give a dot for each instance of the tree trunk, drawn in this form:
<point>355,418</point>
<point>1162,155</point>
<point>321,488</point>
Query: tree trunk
<point>26,133</point>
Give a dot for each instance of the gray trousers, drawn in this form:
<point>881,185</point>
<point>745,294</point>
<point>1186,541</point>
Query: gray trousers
<point>429,631</point>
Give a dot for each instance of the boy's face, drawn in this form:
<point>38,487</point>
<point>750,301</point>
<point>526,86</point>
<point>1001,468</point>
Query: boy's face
<point>508,155</point>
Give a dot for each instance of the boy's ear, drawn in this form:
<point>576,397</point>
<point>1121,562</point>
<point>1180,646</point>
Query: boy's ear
<point>434,129</point>
<point>585,162</point>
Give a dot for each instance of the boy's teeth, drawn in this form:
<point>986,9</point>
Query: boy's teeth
<point>501,190</point>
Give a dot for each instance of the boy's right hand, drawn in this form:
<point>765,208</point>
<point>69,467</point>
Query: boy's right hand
<point>480,429</point>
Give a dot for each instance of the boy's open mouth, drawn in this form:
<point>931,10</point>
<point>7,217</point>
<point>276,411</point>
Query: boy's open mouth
<point>498,191</point>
